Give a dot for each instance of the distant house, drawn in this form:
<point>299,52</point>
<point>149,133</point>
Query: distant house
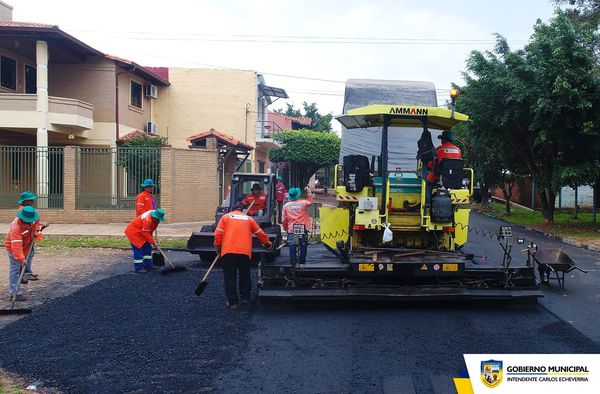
<point>56,91</point>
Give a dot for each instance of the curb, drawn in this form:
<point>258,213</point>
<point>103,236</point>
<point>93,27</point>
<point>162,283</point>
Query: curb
<point>567,241</point>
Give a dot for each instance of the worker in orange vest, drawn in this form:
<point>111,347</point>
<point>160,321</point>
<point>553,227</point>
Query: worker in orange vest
<point>25,200</point>
<point>139,233</point>
<point>233,240</point>
<point>18,242</point>
<point>447,150</point>
<point>145,201</point>
<point>258,197</point>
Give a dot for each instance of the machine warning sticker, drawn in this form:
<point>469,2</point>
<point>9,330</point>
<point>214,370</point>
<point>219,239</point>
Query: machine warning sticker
<point>450,267</point>
<point>390,267</point>
<point>424,267</point>
<point>380,267</point>
<point>366,267</point>
<point>436,267</point>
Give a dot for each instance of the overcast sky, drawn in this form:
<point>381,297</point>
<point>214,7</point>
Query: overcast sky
<point>327,40</point>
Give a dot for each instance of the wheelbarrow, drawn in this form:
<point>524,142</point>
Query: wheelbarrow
<point>552,264</point>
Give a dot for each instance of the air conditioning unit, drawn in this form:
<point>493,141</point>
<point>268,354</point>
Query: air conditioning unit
<point>151,128</point>
<point>151,91</point>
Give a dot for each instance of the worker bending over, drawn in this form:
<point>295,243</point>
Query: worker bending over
<point>294,212</point>
<point>27,199</point>
<point>145,201</point>
<point>18,243</point>
<point>139,233</point>
<point>233,240</point>
<point>259,198</point>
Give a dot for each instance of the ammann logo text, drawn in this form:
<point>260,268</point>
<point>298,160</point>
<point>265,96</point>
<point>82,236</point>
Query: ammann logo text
<point>409,111</point>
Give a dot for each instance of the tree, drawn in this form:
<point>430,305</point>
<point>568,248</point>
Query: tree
<point>319,122</point>
<point>307,151</point>
<point>587,11</point>
<point>141,157</point>
<point>540,104</point>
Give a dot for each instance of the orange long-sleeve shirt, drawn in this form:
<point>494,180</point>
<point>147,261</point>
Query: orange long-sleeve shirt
<point>19,238</point>
<point>234,234</point>
<point>144,202</point>
<point>259,200</point>
<point>139,230</point>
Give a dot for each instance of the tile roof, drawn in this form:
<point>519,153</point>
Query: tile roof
<point>147,72</point>
<point>220,136</point>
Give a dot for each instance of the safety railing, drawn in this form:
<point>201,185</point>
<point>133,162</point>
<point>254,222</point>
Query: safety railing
<point>110,178</point>
<point>35,169</point>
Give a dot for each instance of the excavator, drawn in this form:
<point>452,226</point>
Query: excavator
<point>392,236</point>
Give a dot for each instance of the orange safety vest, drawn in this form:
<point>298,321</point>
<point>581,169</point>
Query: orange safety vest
<point>139,230</point>
<point>234,234</point>
<point>259,202</point>
<point>144,202</point>
<point>445,151</point>
<point>19,238</point>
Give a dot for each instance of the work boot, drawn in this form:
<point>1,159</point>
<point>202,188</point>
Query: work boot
<point>231,306</point>
<point>245,301</point>
<point>153,268</point>
<point>31,277</point>
<point>141,271</point>
<point>19,297</point>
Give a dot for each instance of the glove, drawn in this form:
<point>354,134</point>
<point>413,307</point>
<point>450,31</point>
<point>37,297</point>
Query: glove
<point>22,262</point>
<point>155,246</point>
<point>269,245</point>
<point>218,250</point>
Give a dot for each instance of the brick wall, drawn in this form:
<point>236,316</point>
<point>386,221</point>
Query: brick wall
<point>189,184</point>
<point>188,191</point>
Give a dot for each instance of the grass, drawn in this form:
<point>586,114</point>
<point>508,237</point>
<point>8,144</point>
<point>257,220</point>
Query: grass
<point>565,225</point>
<point>101,242</point>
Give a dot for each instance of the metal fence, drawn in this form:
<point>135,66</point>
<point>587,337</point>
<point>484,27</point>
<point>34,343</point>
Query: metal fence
<point>110,178</point>
<point>31,168</point>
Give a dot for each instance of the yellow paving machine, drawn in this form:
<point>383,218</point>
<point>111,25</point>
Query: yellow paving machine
<point>392,235</point>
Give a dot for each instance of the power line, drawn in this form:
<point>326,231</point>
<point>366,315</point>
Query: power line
<point>214,37</point>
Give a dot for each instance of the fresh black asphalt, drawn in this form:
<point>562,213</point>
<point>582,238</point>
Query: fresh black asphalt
<point>149,333</point>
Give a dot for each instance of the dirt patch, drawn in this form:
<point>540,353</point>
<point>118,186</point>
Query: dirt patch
<point>61,272</point>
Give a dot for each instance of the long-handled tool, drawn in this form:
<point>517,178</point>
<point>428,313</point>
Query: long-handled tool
<point>19,311</point>
<point>203,283</point>
<point>172,268</point>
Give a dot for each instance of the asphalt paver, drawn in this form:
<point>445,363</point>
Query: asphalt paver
<point>149,333</point>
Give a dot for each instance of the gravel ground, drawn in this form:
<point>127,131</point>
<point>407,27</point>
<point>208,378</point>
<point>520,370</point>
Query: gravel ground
<point>129,333</point>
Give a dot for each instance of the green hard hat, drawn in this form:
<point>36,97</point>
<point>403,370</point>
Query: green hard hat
<point>28,214</point>
<point>159,214</point>
<point>26,196</point>
<point>147,183</point>
<point>447,134</point>
<point>294,193</point>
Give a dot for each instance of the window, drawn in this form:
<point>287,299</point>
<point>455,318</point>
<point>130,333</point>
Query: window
<point>137,93</point>
<point>261,167</point>
<point>30,80</point>
<point>8,73</point>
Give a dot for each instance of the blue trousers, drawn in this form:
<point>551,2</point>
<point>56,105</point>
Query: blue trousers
<point>13,275</point>
<point>302,246</point>
<point>142,257</point>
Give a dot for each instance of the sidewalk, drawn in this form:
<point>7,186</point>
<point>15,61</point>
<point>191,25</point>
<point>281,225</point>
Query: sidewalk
<point>173,230</point>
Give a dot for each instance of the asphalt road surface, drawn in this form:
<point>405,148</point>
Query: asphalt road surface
<point>151,334</point>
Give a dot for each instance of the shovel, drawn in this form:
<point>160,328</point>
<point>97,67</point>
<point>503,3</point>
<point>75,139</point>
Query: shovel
<point>203,283</point>
<point>172,268</point>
